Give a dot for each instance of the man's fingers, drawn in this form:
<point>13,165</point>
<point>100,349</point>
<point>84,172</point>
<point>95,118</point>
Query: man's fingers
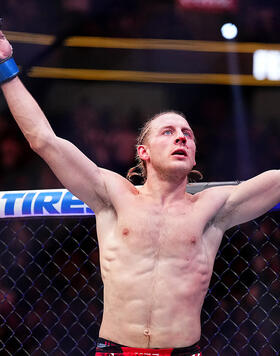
<point>6,50</point>
<point>2,36</point>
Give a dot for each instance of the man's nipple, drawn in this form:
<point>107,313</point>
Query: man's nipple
<point>193,240</point>
<point>125,232</point>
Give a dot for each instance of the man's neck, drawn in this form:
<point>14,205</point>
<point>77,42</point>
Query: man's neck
<point>165,191</point>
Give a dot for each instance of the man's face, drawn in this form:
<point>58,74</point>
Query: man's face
<point>170,146</point>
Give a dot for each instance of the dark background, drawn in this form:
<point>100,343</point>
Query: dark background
<point>237,127</point>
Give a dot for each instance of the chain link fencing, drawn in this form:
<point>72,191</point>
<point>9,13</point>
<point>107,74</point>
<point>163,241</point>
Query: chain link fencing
<point>51,289</point>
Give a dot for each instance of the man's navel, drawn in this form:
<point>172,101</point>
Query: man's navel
<point>147,332</point>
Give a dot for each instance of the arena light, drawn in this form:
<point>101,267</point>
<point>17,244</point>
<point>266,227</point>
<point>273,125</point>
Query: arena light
<point>266,65</point>
<point>229,31</point>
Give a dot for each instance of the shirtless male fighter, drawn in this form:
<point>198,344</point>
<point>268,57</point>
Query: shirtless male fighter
<point>157,242</point>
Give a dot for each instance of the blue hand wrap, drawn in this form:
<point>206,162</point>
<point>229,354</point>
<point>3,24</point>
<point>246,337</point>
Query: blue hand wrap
<point>8,70</point>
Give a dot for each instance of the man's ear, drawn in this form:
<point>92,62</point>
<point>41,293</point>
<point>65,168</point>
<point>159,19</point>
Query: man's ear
<point>194,159</point>
<point>143,152</point>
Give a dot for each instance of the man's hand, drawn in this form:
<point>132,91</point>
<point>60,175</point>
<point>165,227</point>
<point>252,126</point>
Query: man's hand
<point>6,49</point>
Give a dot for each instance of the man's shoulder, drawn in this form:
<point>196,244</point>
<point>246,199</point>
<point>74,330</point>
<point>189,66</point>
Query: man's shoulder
<point>213,201</point>
<point>117,186</point>
<point>215,193</point>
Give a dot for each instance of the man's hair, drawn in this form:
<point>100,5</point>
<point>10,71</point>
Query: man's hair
<point>140,170</point>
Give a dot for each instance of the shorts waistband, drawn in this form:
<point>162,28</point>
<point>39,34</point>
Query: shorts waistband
<point>113,349</point>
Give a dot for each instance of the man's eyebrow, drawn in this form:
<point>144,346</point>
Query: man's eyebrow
<point>167,127</point>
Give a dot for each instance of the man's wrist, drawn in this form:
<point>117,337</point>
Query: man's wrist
<point>8,70</point>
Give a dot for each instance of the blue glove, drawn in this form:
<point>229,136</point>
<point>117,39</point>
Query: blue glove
<point>8,70</point>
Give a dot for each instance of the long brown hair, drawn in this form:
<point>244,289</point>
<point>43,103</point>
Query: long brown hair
<point>140,170</point>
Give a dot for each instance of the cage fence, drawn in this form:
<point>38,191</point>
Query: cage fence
<point>51,293</point>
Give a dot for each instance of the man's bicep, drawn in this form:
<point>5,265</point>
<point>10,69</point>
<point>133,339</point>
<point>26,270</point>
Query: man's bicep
<point>251,199</point>
<point>76,172</point>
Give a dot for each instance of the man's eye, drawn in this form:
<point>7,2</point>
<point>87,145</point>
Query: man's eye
<point>167,132</point>
<point>187,134</point>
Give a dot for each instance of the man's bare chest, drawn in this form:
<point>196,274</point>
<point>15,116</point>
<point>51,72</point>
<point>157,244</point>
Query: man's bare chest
<point>151,227</point>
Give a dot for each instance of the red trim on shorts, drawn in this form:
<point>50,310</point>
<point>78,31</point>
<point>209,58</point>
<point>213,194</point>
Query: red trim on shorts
<point>108,348</point>
<point>134,351</point>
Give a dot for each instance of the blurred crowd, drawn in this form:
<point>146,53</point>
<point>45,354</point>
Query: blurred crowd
<point>109,143</point>
<point>109,140</point>
<point>257,19</point>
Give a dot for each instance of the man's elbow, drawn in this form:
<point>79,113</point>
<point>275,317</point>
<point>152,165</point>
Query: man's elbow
<point>277,173</point>
<point>40,143</point>
<point>275,182</point>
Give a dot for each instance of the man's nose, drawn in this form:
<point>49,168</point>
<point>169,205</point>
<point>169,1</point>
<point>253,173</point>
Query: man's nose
<point>181,139</point>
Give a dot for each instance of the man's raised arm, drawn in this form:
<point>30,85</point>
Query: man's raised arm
<point>75,171</point>
<point>250,199</point>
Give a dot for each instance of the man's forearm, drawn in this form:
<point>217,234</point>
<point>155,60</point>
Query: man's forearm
<point>27,113</point>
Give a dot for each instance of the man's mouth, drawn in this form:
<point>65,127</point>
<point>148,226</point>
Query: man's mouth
<point>179,152</point>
